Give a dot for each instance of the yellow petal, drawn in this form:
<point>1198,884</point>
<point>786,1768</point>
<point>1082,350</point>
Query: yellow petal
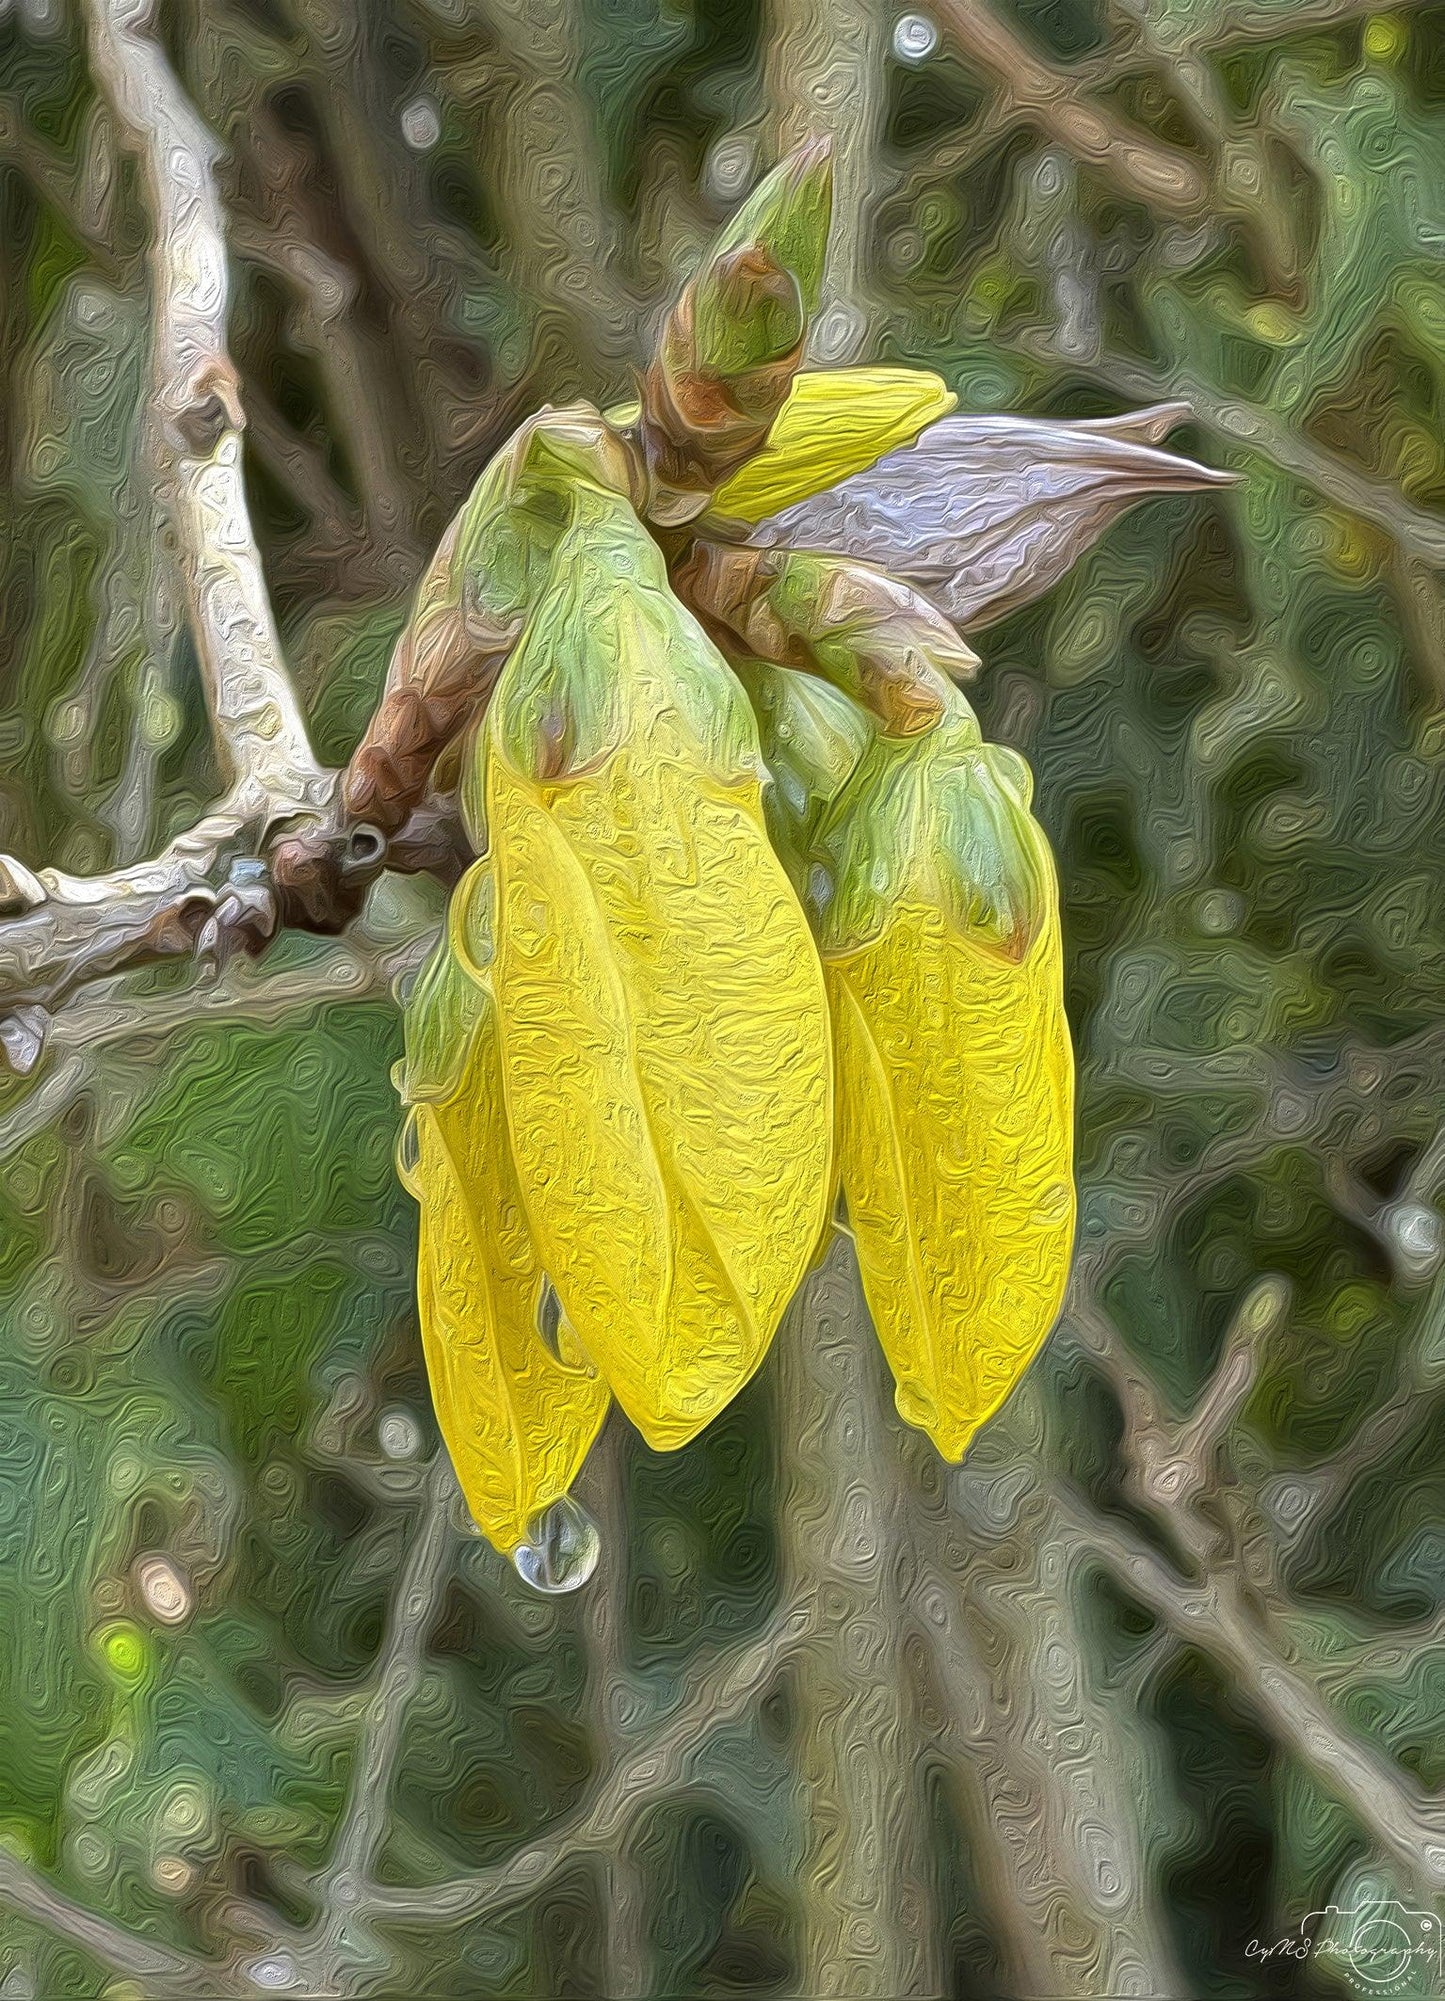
<point>667,1076</point>
<point>836,422</point>
<point>664,1025</point>
<point>585,1156</point>
<point>955,1151</point>
<point>516,1422</point>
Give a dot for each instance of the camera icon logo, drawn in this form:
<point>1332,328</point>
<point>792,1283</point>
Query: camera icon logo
<point>1385,1947</point>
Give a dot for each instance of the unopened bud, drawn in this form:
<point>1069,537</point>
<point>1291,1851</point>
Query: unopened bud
<point>748,312</point>
<point>789,215</point>
<point>734,340</point>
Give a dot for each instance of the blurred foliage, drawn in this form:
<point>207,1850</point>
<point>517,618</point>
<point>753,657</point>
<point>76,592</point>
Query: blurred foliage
<point>1234,709</point>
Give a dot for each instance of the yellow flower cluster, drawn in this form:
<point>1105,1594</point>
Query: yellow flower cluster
<point>733,947</point>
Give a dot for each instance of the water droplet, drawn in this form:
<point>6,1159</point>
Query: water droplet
<point>399,1435</point>
<point>421,124</point>
<point>820,889</point>
<point>730,167</point>
<point>837,332</point>
<point>1419,1237</point>
<point>914,38</point>
<point>549,1318</point>
<point>272,1974</point>
<point>561,1550</point>
<point>165,1591</point>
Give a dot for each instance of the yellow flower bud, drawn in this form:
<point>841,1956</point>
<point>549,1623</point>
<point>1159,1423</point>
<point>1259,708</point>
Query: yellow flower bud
<point>516,1419</point>
<point>663,1022</point>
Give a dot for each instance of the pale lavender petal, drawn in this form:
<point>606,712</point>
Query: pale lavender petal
<point>986,513</point>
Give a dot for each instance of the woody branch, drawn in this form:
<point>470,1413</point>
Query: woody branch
<point>208,891</point>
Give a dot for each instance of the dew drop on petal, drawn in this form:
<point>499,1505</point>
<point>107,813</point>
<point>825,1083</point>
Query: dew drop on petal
<point>561,1550</point>
<point>557,1334</point>
<point>549,1317</point>
<point>915,1406</point>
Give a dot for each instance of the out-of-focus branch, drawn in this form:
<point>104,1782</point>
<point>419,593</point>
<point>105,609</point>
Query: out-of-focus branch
<point>1140,166</point>
<point>123,1953</point>
<point>1248,176</point>
<point>285,235</point>
<point>260,731</point>
<point>1296,1106</point>
<point>1173,1468</point>
<point>825,76</point>
<point>1043,1763</point>
<point>1408,1824</point>
<point>299,464</point>
<point>1171,1474</point>
<point>1227,21</point>
<point>868,1927</point>
<point>80,196</point>
<point>348,970</point>
<point>1419,1374</point>
<point>425,265</point>
<point>1251,427</point>
<point>620,1715</point>
<point>561,233</point>
<point>341,1944</point>
<point>722,1690</point>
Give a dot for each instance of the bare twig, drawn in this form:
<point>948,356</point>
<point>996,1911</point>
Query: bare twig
<point>1408,1824</point>
<point>343,1889</point>
<point>722,1690</point>
<point>123,1953</point>
<point>56,931</point>
<point>60,931</point>
<point>1139,165</point>
<point>260,731</point>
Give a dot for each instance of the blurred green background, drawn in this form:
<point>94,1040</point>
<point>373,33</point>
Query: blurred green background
<point>214,1422</point>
